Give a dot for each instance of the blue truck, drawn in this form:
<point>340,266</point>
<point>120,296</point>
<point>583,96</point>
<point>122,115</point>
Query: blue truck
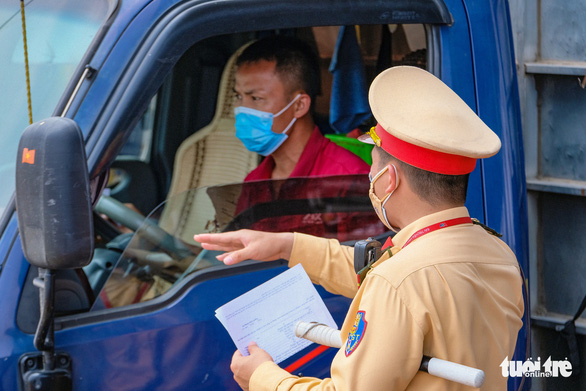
<point>143,91</point>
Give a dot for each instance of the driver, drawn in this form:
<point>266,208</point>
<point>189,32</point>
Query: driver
<point>277,81</point>
<point>276,84</point>
<point>445,287</point>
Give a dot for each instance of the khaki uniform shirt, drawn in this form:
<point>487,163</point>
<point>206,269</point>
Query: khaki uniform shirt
<point>454,293</point>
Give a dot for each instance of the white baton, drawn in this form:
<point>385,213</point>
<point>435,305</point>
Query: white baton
<point>325,335</point>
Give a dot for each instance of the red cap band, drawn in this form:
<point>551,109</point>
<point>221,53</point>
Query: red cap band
<point>424,158</point>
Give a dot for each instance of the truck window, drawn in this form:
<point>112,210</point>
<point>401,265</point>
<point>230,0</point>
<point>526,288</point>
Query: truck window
<point>138,146</point>
<point>196,102</point>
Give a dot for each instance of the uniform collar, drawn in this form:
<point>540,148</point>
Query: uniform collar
<point>404,234</point>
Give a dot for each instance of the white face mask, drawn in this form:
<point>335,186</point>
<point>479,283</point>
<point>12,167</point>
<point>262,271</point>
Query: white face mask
<point>377,203</point>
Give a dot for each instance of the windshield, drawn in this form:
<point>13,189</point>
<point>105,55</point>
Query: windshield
<point>58,34</point>
<point>161,253</point>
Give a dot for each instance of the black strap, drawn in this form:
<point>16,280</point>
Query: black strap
<point>569,334</point>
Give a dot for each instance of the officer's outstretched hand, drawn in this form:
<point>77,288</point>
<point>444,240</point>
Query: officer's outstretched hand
<point>244,366</point>
<point>247,244</point>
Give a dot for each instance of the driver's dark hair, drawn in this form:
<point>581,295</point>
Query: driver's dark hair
<point>296,63</point>
<point>436,189</point>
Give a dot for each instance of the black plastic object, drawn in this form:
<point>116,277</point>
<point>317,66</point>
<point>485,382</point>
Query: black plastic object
<point>52,195</point>
<point>366,252</point>
<point>35,377</point>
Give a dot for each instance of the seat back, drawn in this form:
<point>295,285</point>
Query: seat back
<point>211,156</point>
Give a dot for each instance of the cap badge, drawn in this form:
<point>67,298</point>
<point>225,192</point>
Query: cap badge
<point>374,136</point>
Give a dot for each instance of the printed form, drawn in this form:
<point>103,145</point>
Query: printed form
<point>268,313</point>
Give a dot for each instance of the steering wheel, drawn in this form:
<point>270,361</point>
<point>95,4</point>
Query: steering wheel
<point>120,213</point>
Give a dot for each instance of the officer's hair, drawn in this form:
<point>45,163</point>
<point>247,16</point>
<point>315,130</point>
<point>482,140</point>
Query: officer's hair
<point>436,189</point>
<point>296,63</point>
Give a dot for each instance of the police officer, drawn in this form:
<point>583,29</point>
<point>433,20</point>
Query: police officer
<point>445,287</point>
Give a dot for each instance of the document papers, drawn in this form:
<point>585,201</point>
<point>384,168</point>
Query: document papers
<point>268,313</point>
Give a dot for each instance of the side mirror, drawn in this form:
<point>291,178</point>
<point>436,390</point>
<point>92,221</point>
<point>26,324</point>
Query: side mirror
<point>56,230</point>
<point>52,195</point>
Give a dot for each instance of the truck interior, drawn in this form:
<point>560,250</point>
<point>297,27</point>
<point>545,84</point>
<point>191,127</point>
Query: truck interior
<point>196,101</point>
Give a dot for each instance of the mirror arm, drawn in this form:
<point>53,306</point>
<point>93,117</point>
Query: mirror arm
<point>45,335</point>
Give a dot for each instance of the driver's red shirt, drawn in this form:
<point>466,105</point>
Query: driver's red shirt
<point>320,158</point>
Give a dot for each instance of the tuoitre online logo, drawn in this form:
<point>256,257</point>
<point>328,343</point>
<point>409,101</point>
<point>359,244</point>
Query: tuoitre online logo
<point>530,368</point>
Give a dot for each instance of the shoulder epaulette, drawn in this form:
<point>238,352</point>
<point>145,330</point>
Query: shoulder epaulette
<point>487,228</point>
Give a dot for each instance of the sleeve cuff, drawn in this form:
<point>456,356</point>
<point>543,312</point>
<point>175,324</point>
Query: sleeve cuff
<point>267,377</point>
<point>326,262</point>
<point>308,247</point>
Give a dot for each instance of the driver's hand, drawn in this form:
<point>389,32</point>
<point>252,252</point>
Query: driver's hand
<point>122,228</point>
<point>247,244</point>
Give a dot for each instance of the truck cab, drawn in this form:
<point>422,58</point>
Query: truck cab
<point>149,83</point>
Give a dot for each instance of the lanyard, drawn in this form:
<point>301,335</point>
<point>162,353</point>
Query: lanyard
<point>423,231</point>
<point>437,226</point>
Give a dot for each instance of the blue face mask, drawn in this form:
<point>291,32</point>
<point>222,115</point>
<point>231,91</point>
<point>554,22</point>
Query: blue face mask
<point>253,128</point>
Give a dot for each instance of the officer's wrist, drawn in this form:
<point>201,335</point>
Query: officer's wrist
<point>286,239</point>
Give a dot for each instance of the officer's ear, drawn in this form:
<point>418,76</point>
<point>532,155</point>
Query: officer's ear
<point>394,175</point>
<point>302,105</point>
